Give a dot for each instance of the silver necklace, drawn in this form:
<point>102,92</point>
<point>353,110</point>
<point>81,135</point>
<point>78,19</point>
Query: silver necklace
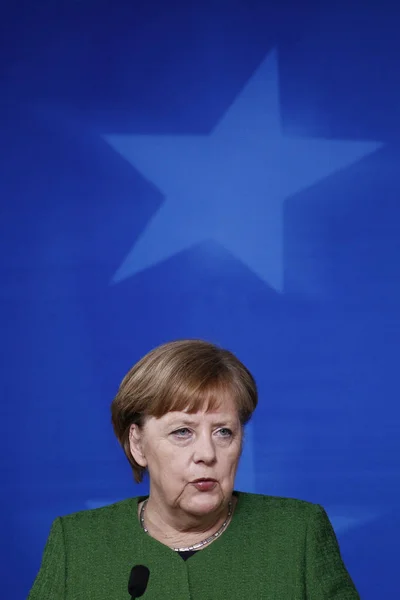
<point>199,544</point>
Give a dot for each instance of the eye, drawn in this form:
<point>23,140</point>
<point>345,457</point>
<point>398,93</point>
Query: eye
<point>224,432</point>
<point>183,432</point>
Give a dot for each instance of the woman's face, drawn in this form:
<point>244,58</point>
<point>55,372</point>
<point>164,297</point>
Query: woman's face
<point>191,458</point>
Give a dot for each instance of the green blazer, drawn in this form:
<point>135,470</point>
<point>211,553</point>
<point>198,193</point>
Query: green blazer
<point>274,549</point>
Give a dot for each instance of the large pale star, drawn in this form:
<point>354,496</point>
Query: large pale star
<point>230,186</point>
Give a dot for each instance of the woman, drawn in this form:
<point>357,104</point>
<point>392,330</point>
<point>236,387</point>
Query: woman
<point>179,415</point>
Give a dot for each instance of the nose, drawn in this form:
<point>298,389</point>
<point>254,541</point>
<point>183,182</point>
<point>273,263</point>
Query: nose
<point>204,450</point>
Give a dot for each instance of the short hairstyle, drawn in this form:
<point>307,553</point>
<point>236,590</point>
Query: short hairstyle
<point>183,375</point>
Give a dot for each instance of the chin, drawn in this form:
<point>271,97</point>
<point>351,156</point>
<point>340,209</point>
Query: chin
<point>204,504</point>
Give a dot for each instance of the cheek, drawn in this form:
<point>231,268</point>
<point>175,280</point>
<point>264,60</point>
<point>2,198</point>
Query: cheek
<point>234,464</point>
<point>230,461</point>
<point>170,465</point>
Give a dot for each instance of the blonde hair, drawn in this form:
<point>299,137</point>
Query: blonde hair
<point>181,375</point>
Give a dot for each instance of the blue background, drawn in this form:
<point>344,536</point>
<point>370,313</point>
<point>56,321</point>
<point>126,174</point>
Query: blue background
<point>226,170</point>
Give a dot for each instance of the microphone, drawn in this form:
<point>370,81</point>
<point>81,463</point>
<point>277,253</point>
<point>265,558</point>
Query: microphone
<point>138,581</point>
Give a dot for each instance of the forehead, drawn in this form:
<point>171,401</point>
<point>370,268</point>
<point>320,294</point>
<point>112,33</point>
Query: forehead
<point>226,409</point>
<point>217,395</point>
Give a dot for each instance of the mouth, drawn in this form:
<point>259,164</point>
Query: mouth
<point>204,479</point>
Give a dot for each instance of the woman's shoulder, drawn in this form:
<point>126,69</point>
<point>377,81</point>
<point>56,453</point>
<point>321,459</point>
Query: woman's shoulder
<point>106,515</point>
<point>277,506</point>
<point>275,517</point>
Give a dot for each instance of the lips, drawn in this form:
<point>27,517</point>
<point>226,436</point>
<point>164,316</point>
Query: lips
<point>204,484</point>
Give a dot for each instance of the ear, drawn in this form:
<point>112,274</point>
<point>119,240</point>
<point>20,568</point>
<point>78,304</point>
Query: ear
<point>136,445</point>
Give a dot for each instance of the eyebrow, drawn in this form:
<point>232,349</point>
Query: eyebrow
<point>187,421</point>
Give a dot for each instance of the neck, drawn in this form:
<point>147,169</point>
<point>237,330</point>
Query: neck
<point>178,529</point>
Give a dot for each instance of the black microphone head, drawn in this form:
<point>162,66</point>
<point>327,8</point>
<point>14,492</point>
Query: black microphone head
<point>138,580</point>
